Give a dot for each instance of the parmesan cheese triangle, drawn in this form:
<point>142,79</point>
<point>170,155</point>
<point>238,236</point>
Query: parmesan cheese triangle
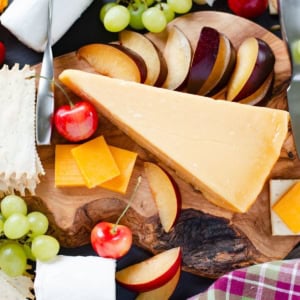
<point>224,149</point>
<point>20,165</point>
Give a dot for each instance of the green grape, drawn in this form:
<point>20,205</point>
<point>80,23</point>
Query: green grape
<point>16,226</point>
<point>44,247</point>
<point>296,51</point>
<point>38,223</point>
<point>169,13</point>
<point>13,204</point>
<point>1,225</point>
<point>116,18</point>
<point>136,10</point>
<point>148,2</point>
<point>180,6</point>
<point>28,252</point>
<point>104,9</point>
<point>154,19</point>
<point>13,260</point>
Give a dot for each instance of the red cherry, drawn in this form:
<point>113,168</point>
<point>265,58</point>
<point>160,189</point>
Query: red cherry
<point>111,240</point>
<point>76,122</point>
<point>248,8</point>
<point>2,53</point>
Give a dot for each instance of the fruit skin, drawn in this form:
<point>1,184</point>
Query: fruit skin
<point>108,243</point>
<point>151,273</point>
<point>2,53</point>
<point>255,62</point>
<point>76,122</point>
<point>203,59</point>
<point>248,8</point>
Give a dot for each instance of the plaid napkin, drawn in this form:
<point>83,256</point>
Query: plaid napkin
<point>279,280</point>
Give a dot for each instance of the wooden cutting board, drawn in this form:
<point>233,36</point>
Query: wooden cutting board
<point>213,240</point>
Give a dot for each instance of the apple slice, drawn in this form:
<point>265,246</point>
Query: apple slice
<point>151,273</point>
<point>147,50</point>
<point>115,61</point>
<point>166,194</point>
<point>178,56</point>
<point>255,62</point>
<point>213,60</point>
<point>163,292</point>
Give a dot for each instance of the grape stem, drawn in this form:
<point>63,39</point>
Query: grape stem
<point>58,85</point>
<point>114,229</point>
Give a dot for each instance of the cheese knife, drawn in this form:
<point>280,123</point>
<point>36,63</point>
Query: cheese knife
<point>289,11</point>
<point>45,94</point>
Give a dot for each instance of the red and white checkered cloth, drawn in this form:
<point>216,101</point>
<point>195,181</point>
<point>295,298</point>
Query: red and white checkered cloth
<point>278,280</point>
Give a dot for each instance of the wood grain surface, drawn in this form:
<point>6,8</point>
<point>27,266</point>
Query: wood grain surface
<point>213,240</point>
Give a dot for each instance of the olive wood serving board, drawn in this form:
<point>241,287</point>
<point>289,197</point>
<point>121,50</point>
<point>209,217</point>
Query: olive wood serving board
<point>213,240</point>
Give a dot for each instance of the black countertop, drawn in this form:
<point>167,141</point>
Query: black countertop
<point>88,29</point>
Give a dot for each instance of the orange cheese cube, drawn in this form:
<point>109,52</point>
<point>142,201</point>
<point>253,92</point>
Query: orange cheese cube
<point>125,161</point>
<point>66,171</point>
<point>95,162</point>
<point>288,208</point>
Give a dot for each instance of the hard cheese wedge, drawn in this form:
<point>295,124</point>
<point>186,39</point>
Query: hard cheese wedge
<point>95,162</point>
<point>224,149</point>
<point>288,208</point>
<point>67,172</point>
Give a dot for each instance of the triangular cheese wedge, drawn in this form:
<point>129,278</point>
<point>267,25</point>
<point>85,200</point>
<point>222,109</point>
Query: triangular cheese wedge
<point>224,149</point>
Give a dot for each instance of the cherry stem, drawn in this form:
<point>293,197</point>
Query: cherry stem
<point>114,229</point>
<point>52,81</point>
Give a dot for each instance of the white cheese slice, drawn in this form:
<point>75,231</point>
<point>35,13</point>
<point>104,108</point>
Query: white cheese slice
<point>75,278</point>
<point>224,149</point>
<point>278,187</point>
<point>20,166</point>
<point>23,18</point>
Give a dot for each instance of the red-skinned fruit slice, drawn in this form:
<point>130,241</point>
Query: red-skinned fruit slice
<point>163,292</point>
<point>114,61</point>
<point>204,59</point>
<point>166,194</point>
<point>178,57</point>
<point>151,273</point>
<point>255,62</point>
<point>147,50</point>
<point>261,93</point>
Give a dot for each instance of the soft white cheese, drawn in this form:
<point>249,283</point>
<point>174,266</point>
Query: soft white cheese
<point>27,20</point>
<point>75,278</point>
<point>278,187</point>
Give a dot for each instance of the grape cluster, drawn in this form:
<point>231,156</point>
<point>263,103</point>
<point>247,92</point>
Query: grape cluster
<point>152,15</point>
<point>23,236</point>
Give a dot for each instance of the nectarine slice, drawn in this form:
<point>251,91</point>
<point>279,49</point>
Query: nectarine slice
<point>114,61</point>
<point>151,273</point>
<point>178,56</point>
<point>165,193</point>
<point>255,62</point>
<point>204,59</point>
<point>164,292</point>
<point>146,49</point>
<point>218,71</point>
<point>261,93</point>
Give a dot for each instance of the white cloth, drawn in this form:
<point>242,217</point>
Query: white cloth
<point>76,278</point>
<point>27,20</point>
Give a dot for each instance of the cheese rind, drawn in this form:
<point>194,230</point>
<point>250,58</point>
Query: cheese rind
<point>95,162</point>
<point>224,149</point>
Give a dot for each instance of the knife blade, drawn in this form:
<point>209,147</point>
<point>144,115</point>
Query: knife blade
<point>289,12</point>
<point>45,95</point>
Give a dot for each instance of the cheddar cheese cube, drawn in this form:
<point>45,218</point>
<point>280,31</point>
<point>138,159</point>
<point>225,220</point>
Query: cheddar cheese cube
<point>95,162</point>
<point>288,208</point>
